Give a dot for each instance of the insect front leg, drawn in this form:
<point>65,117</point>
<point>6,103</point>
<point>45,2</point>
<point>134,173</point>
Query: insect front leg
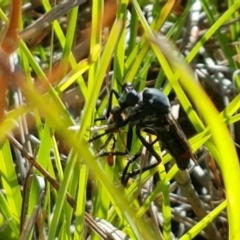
<point>109,108</point>
<point>107,131</point>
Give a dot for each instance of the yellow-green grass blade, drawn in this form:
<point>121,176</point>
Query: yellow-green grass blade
<point>219,22</point>
<point>10,181</point>
<point>220,137</point>
<point>204,222</point>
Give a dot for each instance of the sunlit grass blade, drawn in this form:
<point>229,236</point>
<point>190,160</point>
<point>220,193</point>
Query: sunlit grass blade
<point>9,181</point>
<point>203,223</point>
<point>220,134</point>
<point>226,16</point>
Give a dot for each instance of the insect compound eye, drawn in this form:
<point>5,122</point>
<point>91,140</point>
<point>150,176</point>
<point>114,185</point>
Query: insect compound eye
<point>129,99</point>
<point>132,98</point>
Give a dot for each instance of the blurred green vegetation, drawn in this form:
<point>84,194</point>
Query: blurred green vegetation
<point>67,58</point>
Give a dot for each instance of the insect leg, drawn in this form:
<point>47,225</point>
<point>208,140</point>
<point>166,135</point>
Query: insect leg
<point>136,156</point>
<point>113,128</point>
<point>128,146</point>
<point>109,108</point>
<point>125,174</point>
<point>112,152</point>
<point>110,130</point>
<point>149,147</point>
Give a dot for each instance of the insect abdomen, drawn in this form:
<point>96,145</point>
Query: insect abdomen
<point>176,146</point>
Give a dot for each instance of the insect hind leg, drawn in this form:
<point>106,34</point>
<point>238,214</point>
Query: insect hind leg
<point>149,146</point>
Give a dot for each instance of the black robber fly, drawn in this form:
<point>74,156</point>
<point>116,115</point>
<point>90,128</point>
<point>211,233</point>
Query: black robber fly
<point>152,114</point>
<point>148,111</point>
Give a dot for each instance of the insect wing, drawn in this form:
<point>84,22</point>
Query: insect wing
<point>176,143</point>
